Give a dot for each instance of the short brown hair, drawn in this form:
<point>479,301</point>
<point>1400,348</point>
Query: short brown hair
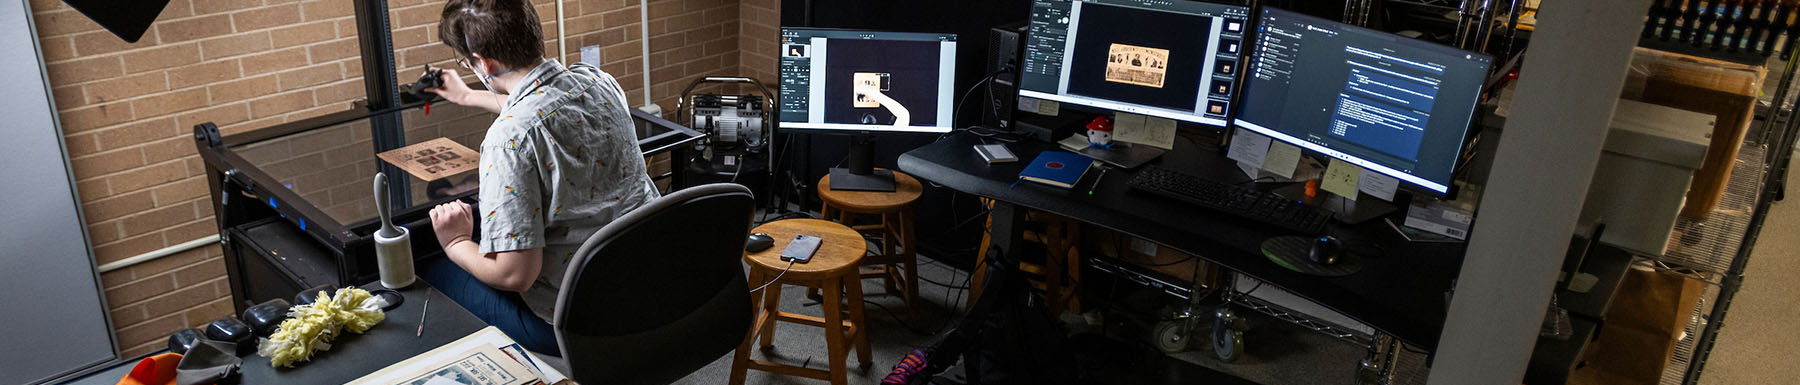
<point>503,30</point>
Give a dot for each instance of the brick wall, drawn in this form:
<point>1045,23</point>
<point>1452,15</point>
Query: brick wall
<point>126,110</point>
<point>757,37</point>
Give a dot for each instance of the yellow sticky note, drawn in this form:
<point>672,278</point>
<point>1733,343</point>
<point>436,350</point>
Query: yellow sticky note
<point>1049,108</point>
<point>1341,178</point>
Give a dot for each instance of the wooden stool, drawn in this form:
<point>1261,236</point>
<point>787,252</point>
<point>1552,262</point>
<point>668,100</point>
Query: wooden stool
<point>1059,277</point>
<point>897,262</point>
<point>833,269</point>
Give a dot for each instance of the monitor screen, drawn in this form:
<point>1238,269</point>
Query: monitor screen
<point>1165,58</point>
<point>850,80</point>
<point>1387,103</point>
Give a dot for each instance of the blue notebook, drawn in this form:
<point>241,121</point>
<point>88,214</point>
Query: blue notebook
<point>1057,168</point>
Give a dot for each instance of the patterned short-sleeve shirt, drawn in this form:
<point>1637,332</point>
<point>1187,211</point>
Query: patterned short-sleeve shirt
<point>559,163</point>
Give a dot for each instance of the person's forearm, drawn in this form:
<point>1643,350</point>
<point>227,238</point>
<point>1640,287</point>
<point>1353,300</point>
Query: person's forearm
<point>487,267</point>
<point>486,100</point>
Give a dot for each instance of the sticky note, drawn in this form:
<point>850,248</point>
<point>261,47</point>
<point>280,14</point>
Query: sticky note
<point>1249,147</point>
<point>1049,108</point>
<point>1126,125</point>
<point>1281,159</point>
<point>1028,104</point>
<point>1152,131</point>
<point>1341,178</point>
<point>1378,185</point>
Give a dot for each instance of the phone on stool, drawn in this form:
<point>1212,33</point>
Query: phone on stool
<point>801,249</point>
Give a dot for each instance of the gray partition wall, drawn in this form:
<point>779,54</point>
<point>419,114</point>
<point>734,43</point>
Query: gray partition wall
<point>55,319</point>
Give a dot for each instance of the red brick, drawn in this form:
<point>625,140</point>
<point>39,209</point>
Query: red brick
<point>106,163</point>
<point>139,290</point>
<point>146,177</point>
<point>181,191</point>
<point>92,189</point>
<point>162,57</point>
<point>84,70</point>
<point>333,50</point>
<point>413,37</point>
<point>274,61</point>
<point>150,332</point>
<point>105,232</point>
<point>127,87</point>
<point>194,28</point>
<point>220,115</point>
<point>266,17</point>
<point>168,103</point>
<point>320,10</point>
<point>59,23</point>
<point>69,97</point>
<point>236,44</point>
<point>183,297</point>
<point>220,306</point>
<point>239,90</point>
<point>620,16</point>
<point>203,74</point>
<point>137,133</point>
<point>57,49</point>
<point>419,15</point>
<point>83,144</point>
<point>414,57</point>
<point>341,92</point>
<point>310,76</point>
<point>129,315</point>
<point>117,206</point>
<point>158,220</point>
<point>173,148</point>
<point>303,34</point>
<point>207,7</point>
<point>281,104</point>
<point>200,228</point>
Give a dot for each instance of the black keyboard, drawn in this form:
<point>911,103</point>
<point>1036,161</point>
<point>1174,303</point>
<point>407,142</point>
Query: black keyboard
<point>1247,203</point>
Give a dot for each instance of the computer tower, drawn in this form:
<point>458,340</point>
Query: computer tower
<point>1005,45</point>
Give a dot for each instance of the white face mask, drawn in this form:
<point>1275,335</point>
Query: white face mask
<point>486,78</point>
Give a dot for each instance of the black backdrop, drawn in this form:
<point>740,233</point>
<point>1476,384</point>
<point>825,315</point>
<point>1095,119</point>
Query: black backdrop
<point>940,210</point>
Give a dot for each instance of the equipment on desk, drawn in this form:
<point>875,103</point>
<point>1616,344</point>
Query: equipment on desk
<point>1649,159</point>
<point>1234,199</point>
<point>738,146</point>
<point>801,249</point>
<point>310,295</point>
<point>859,82</point>
<point>264,317</point>
<point>1057,168</point>
<point>1326,250</point>
<point>610,332</point>
<point>231,330</point>
<point>759,242</point>
<point>433,78</point>
<point>995,153</point>
<point>1322,256</point>
<point>393,244</point>
<point>1173,60</point>
<point>1389,105</point>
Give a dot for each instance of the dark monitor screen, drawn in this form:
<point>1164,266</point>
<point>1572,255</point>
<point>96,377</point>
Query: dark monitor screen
<point>865,81</point>
<point>1163,58</point>
<point>1386,103</point>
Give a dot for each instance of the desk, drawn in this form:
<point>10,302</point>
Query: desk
<point>355,355</point>
<point>1400,292</point>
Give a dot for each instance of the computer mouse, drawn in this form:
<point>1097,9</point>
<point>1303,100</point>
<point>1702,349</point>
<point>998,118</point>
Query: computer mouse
<point>759,242</point>
<point>1326,250</point>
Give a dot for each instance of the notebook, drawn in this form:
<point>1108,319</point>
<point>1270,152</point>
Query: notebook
<point>1056,168</point>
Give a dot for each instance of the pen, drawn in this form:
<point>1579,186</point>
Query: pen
<point>422,311</point>
<point>1097,179</point>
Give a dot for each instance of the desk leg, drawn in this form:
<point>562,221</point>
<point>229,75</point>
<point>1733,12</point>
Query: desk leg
<point>1004,223</point>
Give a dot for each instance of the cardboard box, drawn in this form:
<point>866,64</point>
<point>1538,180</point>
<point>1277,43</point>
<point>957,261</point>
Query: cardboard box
<point>1650,156</point>
<point>1726,90</point>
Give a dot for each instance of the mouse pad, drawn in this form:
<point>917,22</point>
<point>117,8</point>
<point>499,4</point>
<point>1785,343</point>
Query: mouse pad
<point>1290,252</point>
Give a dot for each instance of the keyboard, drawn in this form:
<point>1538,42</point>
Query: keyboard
<point>1243,202</point>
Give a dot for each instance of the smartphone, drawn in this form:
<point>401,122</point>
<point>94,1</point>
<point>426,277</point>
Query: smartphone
<point>801,249</point>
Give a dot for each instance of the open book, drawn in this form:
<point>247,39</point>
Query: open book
<point>486,357</point>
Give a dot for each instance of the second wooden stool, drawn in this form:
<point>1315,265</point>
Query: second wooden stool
<point>897,261</point>
<point>833,269</point>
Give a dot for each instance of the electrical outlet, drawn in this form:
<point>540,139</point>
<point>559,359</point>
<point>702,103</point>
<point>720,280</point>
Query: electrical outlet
<point>1142,246</point>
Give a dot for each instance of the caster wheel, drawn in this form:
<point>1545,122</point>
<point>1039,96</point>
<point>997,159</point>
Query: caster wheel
<point>1169,338</point>
<point>1369,373</point>
<point>1228,344</point>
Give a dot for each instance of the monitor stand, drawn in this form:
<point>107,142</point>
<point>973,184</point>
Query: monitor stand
<point>1349,211</point>
<point>862,175</point>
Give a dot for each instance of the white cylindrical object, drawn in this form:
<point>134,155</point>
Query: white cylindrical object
<point>393,256</point>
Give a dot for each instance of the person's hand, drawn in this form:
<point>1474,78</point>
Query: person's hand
<point>454,89</point>
<point>453,222</point>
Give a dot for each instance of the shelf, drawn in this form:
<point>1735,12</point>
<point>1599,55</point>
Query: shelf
<point>1709,245</point>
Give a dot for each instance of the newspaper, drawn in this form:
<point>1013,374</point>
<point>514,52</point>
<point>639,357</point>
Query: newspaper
<point>486,357</point>
<point>433,159</point>
<point>1136,65</point>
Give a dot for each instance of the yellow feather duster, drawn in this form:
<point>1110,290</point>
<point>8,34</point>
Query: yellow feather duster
<point>310,328</point>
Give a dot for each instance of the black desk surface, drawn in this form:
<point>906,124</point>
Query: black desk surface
<point>1399,291</point>
<point>355,355</point>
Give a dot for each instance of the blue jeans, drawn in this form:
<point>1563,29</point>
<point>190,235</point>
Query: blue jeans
<point>502,309</point>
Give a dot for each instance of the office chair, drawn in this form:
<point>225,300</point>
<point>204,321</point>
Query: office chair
<point>659,292</point>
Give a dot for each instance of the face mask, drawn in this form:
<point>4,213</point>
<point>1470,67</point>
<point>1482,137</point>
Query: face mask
<point>485,78</point>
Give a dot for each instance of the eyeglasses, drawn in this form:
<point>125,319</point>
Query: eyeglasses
<point>465,64</point>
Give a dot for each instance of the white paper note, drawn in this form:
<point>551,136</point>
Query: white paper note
<point>1281,159</point>
<point>1028,104</point>
<point>1248,147</point>
<point>1248,169</point>
<point>1126,125</point>
<point>1341,178</point>
<point>1378,185</point>
<point>1150,131</point>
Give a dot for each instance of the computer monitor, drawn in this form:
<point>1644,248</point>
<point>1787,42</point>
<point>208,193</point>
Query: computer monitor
<point>866,81</point>
<point>1171,59</point>
<point>1386,103</point>
<point>861,82</point>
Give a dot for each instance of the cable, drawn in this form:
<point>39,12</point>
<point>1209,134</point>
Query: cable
<point>777,278</point>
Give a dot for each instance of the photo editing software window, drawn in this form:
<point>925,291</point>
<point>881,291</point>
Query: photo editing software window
<point>1387,103</point>
<point>1174,59</point>
<point>853,80</point>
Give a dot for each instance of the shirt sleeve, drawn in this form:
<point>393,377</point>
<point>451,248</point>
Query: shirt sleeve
<point>512,216</point>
